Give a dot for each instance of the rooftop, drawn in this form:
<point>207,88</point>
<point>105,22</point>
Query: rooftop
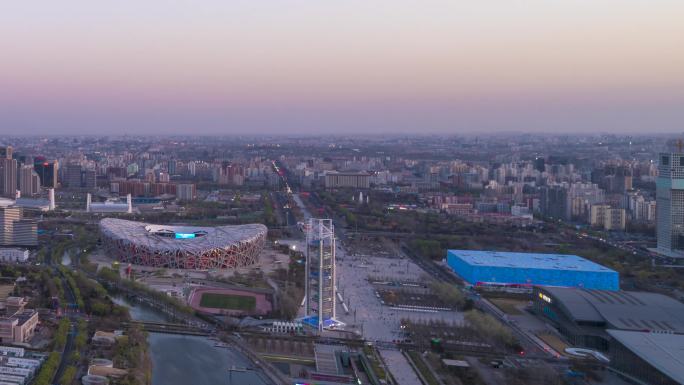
<point>154,237</point>
<point>664,352</point>
<point>528,260</point>
<point>625,310</point>
<point>108,207</point>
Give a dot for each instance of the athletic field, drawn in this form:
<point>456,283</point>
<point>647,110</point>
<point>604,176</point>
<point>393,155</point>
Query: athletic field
<point>228,301</point>
<point>236,302</point>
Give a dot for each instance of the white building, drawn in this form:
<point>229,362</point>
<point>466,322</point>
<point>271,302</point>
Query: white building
<point>13,255</point>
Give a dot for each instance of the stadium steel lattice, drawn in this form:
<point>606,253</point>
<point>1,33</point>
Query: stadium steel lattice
<point>183,247</point>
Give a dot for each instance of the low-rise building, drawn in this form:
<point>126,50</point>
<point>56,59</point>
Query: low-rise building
<point>18,325</point>
<point>13,255</point>
<point>583,316</point>
<point>652,358</point>
<point>336,179</point>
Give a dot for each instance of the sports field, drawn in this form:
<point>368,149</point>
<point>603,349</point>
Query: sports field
<point>236,302</point>
<point>227,301</point>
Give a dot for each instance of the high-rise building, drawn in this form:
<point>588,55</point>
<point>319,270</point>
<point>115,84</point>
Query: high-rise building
<point>172,167</point>
<point>164,177</point>
<point>29,182</point>
<point>47,172</point>
<point>8,177</point>
<point>89,179</point>
<point>72,176</point>
<point>15,230</point>
<point>185,192</point>
<point>670,204</point>
<point>8,173</point>
<point>554,202</point>
<point>6,152</point>
<point>615,219</point>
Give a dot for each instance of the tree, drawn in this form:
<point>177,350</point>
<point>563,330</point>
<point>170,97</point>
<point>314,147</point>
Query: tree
<point>68,375</point>
<point>449,294</point>
<point>489,327</point>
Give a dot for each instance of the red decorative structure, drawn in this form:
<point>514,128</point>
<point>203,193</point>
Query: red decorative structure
<point>183,247</point>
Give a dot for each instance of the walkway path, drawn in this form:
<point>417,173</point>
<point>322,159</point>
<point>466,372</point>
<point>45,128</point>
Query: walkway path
<point>399,367</point>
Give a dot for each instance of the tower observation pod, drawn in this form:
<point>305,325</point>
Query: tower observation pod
<point>320,273</point>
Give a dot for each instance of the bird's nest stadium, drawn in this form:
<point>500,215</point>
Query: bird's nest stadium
<point>183,247</point>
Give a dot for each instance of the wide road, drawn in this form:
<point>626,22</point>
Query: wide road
<point>73,317</point>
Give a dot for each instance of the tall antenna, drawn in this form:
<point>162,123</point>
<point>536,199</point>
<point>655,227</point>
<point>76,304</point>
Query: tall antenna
<point>680,145</point>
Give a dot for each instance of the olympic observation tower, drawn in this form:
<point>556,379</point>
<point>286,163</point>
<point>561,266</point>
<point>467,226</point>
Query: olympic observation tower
<point>320,289</point>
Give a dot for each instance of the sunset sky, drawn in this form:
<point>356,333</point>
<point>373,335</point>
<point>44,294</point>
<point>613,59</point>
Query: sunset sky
<point>370,66</point>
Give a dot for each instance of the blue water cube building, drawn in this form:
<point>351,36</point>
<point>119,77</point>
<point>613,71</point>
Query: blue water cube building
<point>505,268</point>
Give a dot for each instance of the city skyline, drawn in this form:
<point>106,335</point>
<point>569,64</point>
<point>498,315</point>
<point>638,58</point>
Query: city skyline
<point>353,67</point>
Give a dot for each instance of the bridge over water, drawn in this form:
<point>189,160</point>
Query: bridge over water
<point>171,328</point>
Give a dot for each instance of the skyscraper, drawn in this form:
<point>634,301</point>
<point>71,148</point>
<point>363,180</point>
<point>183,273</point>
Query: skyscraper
<point>72,176</point>
<point>29,182</point>
<point>554,202</point>
<point>89,179</point>
<point>6,152</point>
<point>47,171</point>
<point>670,204</point>
<point>8,173</point>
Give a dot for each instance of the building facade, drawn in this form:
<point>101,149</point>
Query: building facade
<point>607,217</point>
<point>18,325</point>
<point>186,192</point>
<point>554,202</point>
<point>670,204</point>
<point>15,230</point>
<point>47,172</point>
<point>8,177</point>
<point>489,268</point>
<point>29,181</point>
<point>13,255</point>
<point>183,247</point>
<point>347,180</point>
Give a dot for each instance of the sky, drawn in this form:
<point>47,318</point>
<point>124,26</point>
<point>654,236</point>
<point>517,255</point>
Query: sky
<point>352,66</point>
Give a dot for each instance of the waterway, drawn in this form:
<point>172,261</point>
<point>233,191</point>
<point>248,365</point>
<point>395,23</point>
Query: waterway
<point>191,360</point>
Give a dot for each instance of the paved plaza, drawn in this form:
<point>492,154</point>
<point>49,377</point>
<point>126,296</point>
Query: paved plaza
<point>378,322</point>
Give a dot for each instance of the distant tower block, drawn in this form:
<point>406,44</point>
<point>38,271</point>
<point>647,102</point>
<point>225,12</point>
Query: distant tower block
<point>51,199</point>
<point>320,272</point>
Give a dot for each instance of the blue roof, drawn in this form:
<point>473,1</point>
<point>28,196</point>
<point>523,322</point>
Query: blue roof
<point>528,260</point>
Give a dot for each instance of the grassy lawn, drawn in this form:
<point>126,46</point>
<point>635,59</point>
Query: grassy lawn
<point>421,365</point>
<point>556,343</point>
<point>227,301</point>
<point>508,306</point>
<point>370,354</point>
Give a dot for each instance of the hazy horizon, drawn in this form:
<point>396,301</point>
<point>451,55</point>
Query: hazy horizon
<point>303,67</point>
